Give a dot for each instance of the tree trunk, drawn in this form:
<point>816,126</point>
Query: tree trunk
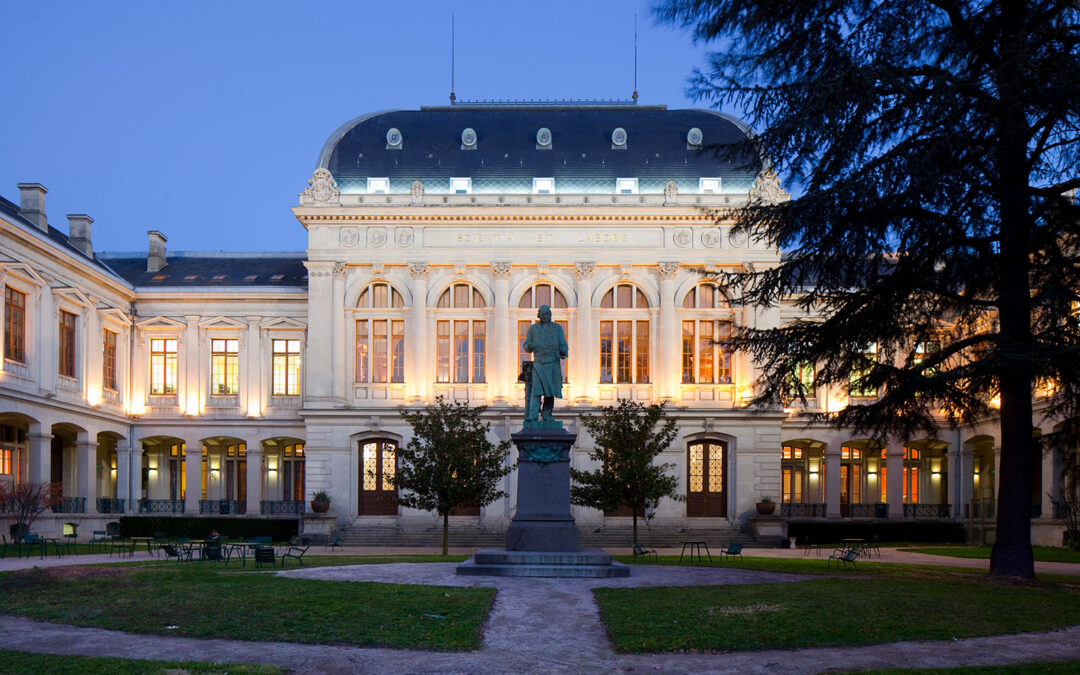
<point>634,512</point>
<point>445,532</point>
<point>1012,555</point>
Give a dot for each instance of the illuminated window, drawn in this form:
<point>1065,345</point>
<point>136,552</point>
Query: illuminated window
<point>460,343</point>
<point>378,186</point>
<point>6,463</point>
<point>859,388</point>
<point>923,351</point>
<point>532,299</point>
<point>14,325</point>
<point>705,358</point>
<point>292,472</point>
<point>803,378</point>
<point>66,363</point>
<point>626,186</point>
<point>709,186</point>
<point>543,186</point>
<point>108,361</point>
<point>286,367</point>
<point>460,186</point>
<point>224,367</point>
<point>624,339</point>
<point>380,341</point>
<point>163,362</point>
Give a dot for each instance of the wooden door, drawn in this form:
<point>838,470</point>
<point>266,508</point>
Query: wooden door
<point>706,494</point>
<point>378,463</point>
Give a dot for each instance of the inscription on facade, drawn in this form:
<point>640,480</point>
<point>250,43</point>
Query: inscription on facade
<point>591,238</point>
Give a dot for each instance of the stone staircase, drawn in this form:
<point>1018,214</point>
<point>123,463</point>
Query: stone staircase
<point>591,537</point>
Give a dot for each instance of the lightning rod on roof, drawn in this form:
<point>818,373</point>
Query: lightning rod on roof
<point>635,97</point>
<point>452,97</point>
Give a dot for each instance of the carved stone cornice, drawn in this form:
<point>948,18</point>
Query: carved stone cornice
<point>584,270</point>
<point>500,270</point>
<point>418,270</point>
<point>667,270</point>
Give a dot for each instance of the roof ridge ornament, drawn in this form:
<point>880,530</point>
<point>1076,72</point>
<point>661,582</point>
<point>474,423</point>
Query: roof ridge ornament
<point>323,188</point>
<point>767,189</point>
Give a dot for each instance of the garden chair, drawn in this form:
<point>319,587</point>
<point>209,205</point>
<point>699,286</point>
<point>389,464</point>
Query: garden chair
<point>642,551</point>
<point>264,555</point>
<point>68,543</point>
<point>122,547</point>
<point>295,552</point>
<point>844,556</point>
<point>179,553</point>
<point>733,550</point>
<point>212,551</point>
<point>873,546</point>
<point>31,540</point>
<point>336,543</point>
<point>3,550</point>
<point>100,538</point>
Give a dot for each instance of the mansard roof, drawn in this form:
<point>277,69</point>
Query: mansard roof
<point>192,269</point>
<point>582,156</point>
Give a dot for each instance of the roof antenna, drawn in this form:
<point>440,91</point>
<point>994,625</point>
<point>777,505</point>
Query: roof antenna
<point>635,96</point>
<point>452,96</point>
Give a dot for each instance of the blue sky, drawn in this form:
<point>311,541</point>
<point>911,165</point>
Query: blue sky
<point>203,119</point>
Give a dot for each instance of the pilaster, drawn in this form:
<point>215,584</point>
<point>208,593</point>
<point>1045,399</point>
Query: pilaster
<point>123,476</point>
<point>191,387</point>
<point>86,472</point>
<point>504,374</point>
<point>193,467</point>
<point>317,383</point>
<point>585,373</point>
<point>894,480</point>
<point>419,368</point>
<point>337,328</point>
<point>39,459</point>
<point>832,479</point>
<point>667,345</point>
<point>255,473</point>
<point>252,391</point>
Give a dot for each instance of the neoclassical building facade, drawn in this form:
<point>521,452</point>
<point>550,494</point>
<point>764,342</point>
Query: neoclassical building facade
<point>241,383</point>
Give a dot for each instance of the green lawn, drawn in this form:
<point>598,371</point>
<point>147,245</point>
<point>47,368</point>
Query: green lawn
<point>1052,668</point>
<point>857,609</point>
<point>204,601</point>
<point>22,663</point>
<point>1042,553</point>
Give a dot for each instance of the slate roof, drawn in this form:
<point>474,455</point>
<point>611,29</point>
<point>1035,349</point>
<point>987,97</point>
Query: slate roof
<point>10,212</point>
<point>506,157</point>
<point>189,269</point>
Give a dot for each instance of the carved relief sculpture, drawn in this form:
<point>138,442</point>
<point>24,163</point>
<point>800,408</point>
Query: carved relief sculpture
<point>403,236</point>
<point>500,270</point>
<point>767,188</point>
<point>671,193</point>
<point>417,193</point>
<point>376,237</point>
<point>348,236</point>
<point>667,270</point>
<point>322,187</point>
<point>584,270</point>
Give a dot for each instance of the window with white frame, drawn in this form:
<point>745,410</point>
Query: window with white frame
<point>380,334</point>
<point>14,325</point>
<point>163,366</point>
<point>224,367</point>
<point>378,186</point>
<point>285,375</point>
<point>626,186</point>
<point>543,186</point>
<point>709,186</point>
<point>705,358</point>
<point>624,335</point>
<point>460,338</point>
<point>66,346</point>
<point>460,186</point>
<point>108,360</point>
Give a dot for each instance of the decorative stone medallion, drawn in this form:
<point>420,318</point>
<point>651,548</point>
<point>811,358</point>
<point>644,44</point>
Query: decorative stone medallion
<point>683,237</point>
<point>710,238</point>
<point>376,237</point>
<point>403,236</point>
<point>737,238</point>
<point>348,236</point>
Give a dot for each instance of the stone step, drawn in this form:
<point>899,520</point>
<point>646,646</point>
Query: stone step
<point>353,535</point>
<point>593,564</point>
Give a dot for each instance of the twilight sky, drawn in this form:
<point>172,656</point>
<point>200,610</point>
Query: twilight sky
<point>204,119</point>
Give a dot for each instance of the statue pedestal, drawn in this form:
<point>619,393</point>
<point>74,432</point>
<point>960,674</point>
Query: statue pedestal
<point>543,521</point>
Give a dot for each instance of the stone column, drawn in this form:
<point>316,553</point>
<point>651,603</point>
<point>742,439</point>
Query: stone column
<point>667,377</point>
<point>86,473</point>
<point>419,369</point>
<point>965,480</point>
<point>254,479</point>
<point>894,481</point>
<point>43,347</point>
<point>585,372</point>
<point>1046,499</point>
<point>124,475</point>
<point>39,460</point>
<point>191,387</point>
<point>503,376</point>
<point>251,393</point>
<point>337,328</point>
<point>317,383</point>
<point>832,479</point>
<point>193,487</point>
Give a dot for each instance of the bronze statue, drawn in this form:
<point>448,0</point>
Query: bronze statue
<point>547,343</point>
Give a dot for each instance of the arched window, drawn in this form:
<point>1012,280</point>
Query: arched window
<point>380,334</point>
<point>292,472</point>
<point>460,341</point>
<point>802,468</point>
<point>378,466</point>
<point>537,295</point>
<point>705,359</point>
<point>624,337</point>
<point>706,479</point>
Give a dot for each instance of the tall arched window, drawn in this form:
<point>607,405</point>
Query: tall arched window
<point>705,359</point>
<point>538,295</point>
<point>460,341</point>
<point>624,335</point>
<point>380,334</point>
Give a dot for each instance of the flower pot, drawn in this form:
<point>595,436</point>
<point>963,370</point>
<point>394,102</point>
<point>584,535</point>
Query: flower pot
<point>320,507</point>
<point>766,508</point>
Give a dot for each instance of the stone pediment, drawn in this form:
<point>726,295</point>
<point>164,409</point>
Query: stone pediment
<point>24,272</point>
<point>161,323</point>
<point>222,323</point>
<point>283,323</point>
<point>73,295</point>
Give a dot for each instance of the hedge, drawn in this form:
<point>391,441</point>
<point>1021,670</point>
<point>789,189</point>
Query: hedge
<point>820,532</point>
<point>279,529</point>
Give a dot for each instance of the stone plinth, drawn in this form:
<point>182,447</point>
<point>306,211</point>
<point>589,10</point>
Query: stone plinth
<point>543,521</point>
<point>593,564</point>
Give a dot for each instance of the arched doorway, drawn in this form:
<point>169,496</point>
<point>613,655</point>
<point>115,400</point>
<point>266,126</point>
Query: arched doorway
<point>706,484</point>
<point>378,466</point>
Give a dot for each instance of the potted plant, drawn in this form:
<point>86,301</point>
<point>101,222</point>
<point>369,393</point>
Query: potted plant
<point>766,506</point>
<point>320,502</point>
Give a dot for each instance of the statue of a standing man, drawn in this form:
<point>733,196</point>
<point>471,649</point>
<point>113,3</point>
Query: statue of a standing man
<point>547,343</point>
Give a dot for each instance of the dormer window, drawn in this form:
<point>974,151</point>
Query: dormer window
<point>460,186</point>
<point>543,186</point>
<point>378,186</point>
<point>709,186</point>
<point>626,186</point>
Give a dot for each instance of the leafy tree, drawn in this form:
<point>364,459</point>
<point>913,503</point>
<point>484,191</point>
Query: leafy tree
<point>936,146</point>
<point>627,439</point>
<point>449,462</point>
<point>26,501</point>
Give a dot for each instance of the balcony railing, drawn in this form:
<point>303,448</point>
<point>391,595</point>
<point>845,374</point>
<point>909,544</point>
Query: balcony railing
<point>983,509</point>
<point>269,507</point>
<point>161,506</point>
<point>803,510</point>
<point>70,505</point>
<point>868,510</point>
<point>222,507</point>
<point>110,505</point>
<point>927,510</point>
